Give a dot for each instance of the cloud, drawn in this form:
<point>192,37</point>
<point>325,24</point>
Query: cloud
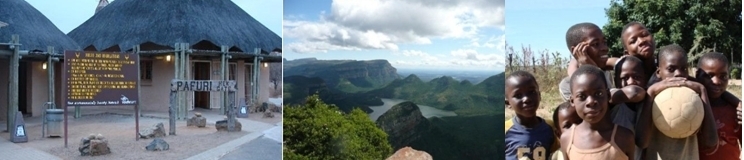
<point>385,24</point>
<point>458,58</point>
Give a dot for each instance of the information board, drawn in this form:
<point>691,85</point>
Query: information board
<point>100,78</point>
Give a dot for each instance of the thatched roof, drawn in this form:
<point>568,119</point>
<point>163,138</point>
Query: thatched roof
<point>203,24</point>
<point>35,31</point>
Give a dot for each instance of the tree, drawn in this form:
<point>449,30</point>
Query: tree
<point>320,131</point>
<point>716,22</point>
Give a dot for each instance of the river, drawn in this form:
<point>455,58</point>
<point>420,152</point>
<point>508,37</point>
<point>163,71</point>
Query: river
<point>427,111</point>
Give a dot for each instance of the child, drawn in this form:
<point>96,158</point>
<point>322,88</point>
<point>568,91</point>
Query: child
<point>596,137</point>
<point>672,72</point>
<point>713,74</point>
<point>563,118</point>
<point>527,135</point>
<point>629,77</point>
<point>587,45</point>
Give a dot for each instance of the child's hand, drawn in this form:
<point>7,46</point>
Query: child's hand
<point>579,52</point>
<point>655,89</point>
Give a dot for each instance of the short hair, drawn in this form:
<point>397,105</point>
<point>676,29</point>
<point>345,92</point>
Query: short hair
<point>521,73</point>
<point>717,56</point>
<point>588,69</point>
<point>670,49</point>
<point>578,31</point>
<point>560,107</point>
<point>626,28</point>
<point>619,67</point>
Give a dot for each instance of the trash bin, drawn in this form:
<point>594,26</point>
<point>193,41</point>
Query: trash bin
<point>54,122</point>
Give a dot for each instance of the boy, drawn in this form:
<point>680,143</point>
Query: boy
<point>672,72</point>
<point>712,72</point>
<point>587,45</point>
<point>629,77</point>
<point>527,135</point>
<point>596,137</point>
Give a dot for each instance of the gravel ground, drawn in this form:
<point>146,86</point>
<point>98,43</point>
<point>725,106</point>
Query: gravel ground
<point>120,132</point>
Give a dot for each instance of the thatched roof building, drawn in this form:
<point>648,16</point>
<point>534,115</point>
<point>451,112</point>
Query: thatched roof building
<point>36,32</point>
<point>159,25</point>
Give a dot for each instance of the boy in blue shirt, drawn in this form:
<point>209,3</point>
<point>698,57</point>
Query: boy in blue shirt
<point>527,135</point>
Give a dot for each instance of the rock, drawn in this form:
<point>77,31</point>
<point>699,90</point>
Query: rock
<point>157,144</point>
<point>222,125</point>
<point>197,121</point>
<point>408,153</point>
<point>154,131</point>
<point>268,115</point>
<point>94,145</point>
<point>197,114</point>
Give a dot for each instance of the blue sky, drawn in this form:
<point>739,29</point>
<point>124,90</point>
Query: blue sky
<point>543,24</point>
<point>68,14</point>
<point>414,34</point>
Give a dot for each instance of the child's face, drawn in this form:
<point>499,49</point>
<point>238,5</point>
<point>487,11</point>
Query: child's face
<point>639,42</point>
<point>632,73</point>
<point>566,118</point>
<point>597,48</point>
<point>523,96</point>
<point>672,65</point>
<point>714,76</point>
<point>589,97</point>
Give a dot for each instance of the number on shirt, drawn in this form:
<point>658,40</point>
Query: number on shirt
<point>537,154</point>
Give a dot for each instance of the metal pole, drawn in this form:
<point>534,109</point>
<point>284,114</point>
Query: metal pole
<point>50,74</point>
<point>139,81</point>
<point>13,84</point>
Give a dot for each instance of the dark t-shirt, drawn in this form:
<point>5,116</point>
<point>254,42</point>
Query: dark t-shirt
<point>534,143</point>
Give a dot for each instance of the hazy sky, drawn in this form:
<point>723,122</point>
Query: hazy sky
<point>542,24</point>
<point>68,14</point>
<point>451,35</point>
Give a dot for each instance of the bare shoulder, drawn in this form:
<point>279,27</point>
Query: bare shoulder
<point>624,138</point>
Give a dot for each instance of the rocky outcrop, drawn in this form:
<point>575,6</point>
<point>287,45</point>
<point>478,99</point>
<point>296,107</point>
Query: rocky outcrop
<point>409,153</point>
<point>360,73</point>
<point>404,124</point>
<point>94,145</point>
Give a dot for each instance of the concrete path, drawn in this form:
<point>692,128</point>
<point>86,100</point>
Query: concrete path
<point>257,130</point>
<point>10,150</point>
<point>266,147</point>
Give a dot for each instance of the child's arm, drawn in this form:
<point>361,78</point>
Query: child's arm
<point>644,125</point>
<point>632,94</point>
<point>573,65</point>
<point>708,135</point>
<point>734,101</point>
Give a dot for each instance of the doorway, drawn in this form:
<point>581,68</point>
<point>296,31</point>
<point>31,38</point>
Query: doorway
<point>201,72</point>
<point>23,88</point>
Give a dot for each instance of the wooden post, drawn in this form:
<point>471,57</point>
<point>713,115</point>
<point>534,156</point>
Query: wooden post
<point>50,74</point>
<point>223,76</point>
<point>172,113</point>
<point>175,76</point>
<point>182,75</point>
<point>231,112</point>
<point>139,81</point>
<point>13,83</point>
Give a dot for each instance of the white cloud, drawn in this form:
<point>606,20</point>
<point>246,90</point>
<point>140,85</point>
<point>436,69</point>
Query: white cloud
<point>458,58</point>
<point>385,24</point>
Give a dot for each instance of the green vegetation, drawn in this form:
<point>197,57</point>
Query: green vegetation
<point>447,93</point>
<point>717,22</point>
<point>320,131</point>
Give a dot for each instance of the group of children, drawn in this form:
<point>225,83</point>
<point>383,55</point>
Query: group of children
<point>609,116</point>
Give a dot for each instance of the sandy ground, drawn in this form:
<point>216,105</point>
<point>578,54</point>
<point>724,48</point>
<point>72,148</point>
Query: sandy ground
<point>119,129</point>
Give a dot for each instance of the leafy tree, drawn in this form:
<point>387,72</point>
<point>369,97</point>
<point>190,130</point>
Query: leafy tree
<point>320,131</point>
<point>716,22</point>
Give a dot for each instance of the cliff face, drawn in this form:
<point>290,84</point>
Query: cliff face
<point>404,124</point>
<point>360,73</point>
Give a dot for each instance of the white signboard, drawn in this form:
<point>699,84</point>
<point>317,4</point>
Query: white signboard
<point>203,85</point>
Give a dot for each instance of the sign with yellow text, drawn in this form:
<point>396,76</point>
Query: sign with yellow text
<point>100,78</point>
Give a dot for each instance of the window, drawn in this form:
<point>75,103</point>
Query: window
<point>146,70</point>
